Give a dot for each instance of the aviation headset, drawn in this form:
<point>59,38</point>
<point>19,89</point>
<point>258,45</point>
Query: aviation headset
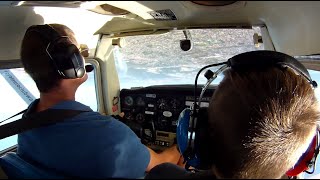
<point>65,56</point>
<point>192,131</point>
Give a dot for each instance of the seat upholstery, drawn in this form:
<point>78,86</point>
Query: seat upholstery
<point>15,167</point>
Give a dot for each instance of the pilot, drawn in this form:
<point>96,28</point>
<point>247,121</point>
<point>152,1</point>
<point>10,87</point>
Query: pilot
<point>260,123</point>
<point>89,145</point>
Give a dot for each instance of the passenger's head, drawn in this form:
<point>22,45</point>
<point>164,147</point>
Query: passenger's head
<point>39,65</point>
<point>261,122</point>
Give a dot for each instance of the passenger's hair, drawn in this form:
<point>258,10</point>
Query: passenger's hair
<point>36,61</point>
<point>261,122</point>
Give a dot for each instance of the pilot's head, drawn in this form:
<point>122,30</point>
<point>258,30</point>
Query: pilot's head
<point>40,66</point>
<point>261,122</point>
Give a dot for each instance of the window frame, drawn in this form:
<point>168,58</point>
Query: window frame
<point>97,83</point>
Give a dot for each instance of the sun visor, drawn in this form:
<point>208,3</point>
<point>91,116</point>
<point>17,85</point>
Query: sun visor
<point>119,26</point>
<point>131,24</point>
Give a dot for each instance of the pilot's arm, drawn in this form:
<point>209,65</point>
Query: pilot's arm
<point>170,155</point>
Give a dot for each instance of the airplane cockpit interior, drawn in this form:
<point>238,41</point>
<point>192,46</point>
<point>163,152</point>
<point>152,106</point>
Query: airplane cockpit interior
<point>145,59</point>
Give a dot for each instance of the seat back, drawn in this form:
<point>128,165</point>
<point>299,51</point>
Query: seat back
<point>3,175</point>
<point>15,167</point>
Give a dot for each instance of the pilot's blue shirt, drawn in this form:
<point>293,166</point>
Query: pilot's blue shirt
<point>87,145</point>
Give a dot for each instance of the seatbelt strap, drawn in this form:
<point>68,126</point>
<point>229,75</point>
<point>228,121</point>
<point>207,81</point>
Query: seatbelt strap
<point>36,120</point>
<point>14,115</point>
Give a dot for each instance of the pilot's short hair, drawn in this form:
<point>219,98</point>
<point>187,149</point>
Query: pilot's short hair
<point>261,122</point>
<point>36,61</point>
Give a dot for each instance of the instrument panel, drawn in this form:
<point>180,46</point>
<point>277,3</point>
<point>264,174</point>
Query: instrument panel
<point>152,112</point>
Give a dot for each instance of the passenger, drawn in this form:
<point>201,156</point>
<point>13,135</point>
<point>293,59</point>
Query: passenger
<point>90,145</point>
<point>260,124</point>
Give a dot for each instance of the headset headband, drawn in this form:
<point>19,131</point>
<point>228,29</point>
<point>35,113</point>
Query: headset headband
<point>265,58</point>
<point>46,31</point>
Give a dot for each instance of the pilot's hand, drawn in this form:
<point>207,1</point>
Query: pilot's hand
<point>119,116</point>
<point>181,162</point>
<point>174,153</point>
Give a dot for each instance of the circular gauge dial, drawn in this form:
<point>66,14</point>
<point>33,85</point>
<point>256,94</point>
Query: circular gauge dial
<point>129,116</point>
<point>174,103</point>
<point>140,118</point>
<point>162,104</point>
<point>162,123</point>
<point>128,101</point>
<point>140,101</point>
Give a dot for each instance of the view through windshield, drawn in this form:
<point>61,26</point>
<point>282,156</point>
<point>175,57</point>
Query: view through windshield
<point>158,59</point>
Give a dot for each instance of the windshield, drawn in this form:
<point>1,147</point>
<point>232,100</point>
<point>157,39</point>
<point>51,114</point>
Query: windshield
<point>159,60</point>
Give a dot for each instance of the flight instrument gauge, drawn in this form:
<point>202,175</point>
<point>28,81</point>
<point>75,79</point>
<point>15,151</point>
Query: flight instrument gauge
<point>140,101</point>
<point>162,104</point>
<point>140,118</point>
<point>129,116</point>
<point>174,103</point>
<point>128,101</point>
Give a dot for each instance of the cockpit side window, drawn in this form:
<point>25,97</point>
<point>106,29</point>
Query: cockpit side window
<point>18,90</point>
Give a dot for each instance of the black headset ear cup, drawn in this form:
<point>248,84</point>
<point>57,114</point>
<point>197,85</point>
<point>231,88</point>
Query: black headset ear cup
<point>78,61</point>
<point>69,60</point>
<point>203,140</point>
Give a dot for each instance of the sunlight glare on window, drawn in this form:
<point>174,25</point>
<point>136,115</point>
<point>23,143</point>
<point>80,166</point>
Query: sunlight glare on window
<point>84,23</point>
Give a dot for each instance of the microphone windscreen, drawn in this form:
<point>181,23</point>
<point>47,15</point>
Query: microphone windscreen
<point>89,68</point>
